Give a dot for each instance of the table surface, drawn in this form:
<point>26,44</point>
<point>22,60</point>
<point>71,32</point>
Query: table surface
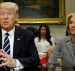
<point>49,69</point>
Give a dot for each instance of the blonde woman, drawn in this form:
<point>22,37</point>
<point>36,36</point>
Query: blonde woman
<point>65,47</point>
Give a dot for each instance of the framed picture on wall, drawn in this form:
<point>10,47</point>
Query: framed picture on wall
<point>40,11</point>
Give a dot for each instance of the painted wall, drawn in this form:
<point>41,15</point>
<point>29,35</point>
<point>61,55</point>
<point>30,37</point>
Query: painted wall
<point>58,31</point>
<point>69,6</point>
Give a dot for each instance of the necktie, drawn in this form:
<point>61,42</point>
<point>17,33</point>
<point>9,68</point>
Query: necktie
<point>6,45</point>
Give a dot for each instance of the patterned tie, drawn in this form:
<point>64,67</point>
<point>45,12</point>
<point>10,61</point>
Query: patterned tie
<point>6,45</point>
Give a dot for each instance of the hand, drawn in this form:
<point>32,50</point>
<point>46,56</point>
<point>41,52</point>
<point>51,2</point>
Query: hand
<point>49,52</point>
<point>42,55</point>
<point>7,60</point>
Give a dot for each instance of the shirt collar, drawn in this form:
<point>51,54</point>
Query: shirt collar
<point>10,32</point>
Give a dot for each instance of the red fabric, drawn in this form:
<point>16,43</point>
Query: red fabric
<point>43,60</point>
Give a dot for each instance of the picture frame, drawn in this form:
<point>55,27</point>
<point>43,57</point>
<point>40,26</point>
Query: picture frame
<point>41,11</point>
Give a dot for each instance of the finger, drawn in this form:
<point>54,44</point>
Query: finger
<point>3,64</point>
<point>2,50</point>
<point>3,59</point>
<point>4,55</point>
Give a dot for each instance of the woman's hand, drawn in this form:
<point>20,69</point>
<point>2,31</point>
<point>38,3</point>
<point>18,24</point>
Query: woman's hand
<point>42,55</point>
<point>49,52</point>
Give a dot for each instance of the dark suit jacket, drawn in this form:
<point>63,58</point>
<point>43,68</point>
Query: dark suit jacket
<point>24,48</point>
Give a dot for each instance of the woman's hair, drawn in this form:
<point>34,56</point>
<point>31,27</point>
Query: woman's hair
<point>48,36</point>
<point>68,22</point>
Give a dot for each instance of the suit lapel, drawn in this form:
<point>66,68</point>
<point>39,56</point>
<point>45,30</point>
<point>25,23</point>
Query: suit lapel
<point>70,47</point>
<point>17,39</point>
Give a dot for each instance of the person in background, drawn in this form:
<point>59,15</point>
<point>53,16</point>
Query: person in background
<point>45,43</point>
<point>18,51</point>
<point>64,53</point>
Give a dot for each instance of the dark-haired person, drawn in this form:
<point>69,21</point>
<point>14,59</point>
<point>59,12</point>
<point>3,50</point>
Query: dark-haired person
<point>45,43</point>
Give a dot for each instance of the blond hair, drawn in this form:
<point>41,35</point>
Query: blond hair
<point>68,22</point>
<point>9,5</point>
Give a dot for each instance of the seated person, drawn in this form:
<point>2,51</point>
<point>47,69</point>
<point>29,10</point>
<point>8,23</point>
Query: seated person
<point>44,43</point>
<point>64,53</point>
<point>17,48</point>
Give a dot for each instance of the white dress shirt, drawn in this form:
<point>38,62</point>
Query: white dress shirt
<point>11,38</point>
<point>43,45</point>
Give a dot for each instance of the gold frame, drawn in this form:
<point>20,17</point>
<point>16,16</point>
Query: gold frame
<point>59,20</point>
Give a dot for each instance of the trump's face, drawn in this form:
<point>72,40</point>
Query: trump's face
<point>7,18</point>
